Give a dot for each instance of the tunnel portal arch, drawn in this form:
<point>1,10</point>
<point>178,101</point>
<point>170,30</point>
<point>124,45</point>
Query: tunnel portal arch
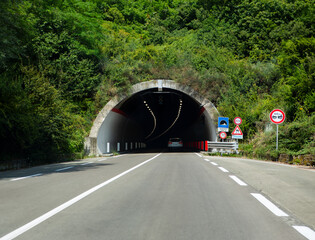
<point>131,120</point>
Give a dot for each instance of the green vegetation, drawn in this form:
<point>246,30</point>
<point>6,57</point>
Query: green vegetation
<point>61,61</point>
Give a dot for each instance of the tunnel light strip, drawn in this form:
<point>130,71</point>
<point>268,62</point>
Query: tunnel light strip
<point>178,114</point>
<point>154,120</point>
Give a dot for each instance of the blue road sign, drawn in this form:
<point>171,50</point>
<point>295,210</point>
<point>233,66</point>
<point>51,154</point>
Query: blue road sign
<point>223,122</point>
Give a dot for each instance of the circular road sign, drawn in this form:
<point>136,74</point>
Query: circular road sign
<point>237,121</point>
<point>223,135</point>
<point>277,116</point>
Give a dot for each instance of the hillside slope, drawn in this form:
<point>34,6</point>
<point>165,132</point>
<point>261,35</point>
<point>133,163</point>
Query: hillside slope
<point>61,61</point>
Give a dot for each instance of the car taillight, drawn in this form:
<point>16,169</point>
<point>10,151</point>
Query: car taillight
<point>169,142</point>
<point>180,142</point>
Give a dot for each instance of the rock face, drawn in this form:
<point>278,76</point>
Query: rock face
<point>307,159</point>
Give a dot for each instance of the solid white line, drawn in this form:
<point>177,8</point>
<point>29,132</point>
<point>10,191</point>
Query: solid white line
<point>207,160</point>
<point>62,169</point>
<point>223,169</point>
<point>65,205</point>
<point>273,208</point>
<point>198,155</point>
<point>239,181</point>
<point>213,163</point>
<point>20,178</point>
<point>306,232</point>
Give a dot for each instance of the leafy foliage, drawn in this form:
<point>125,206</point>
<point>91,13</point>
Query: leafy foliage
<point>61,61</point>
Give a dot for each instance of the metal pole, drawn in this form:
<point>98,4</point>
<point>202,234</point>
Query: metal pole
<point>277,137</point>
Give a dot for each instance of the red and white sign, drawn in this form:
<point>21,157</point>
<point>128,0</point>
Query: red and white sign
<point>237,131</point>
<point>237,121</point>
<point>223,135</point>
<point>277,116</point>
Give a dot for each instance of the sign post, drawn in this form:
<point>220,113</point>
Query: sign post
<point>277,116</point>
<point>237,132</point>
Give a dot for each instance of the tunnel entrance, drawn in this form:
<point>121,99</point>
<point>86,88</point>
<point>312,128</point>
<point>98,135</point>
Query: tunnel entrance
<point>149,115</point>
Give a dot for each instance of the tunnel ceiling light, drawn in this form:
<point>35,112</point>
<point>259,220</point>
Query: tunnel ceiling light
<point>178,114</point>
<point>154,120</point>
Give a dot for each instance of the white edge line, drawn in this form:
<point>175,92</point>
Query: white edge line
<point>100,160</point>
<point>223,169</point>
<point>273,208</point>
<point>62,169</point>
<point>67,204</point>
<point>20,178</point>
<point>83,164</point>
<point>213,163</point>
<point>238,181</point>
<point>306,232</point>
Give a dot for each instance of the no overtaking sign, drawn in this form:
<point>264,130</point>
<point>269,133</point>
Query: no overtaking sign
<point>277,116</point>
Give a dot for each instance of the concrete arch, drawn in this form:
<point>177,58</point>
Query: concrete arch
<point>95,146</point>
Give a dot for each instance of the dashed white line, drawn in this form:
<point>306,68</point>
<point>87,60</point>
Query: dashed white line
<point>20,178</point>
<point>67,204</point>
<point>207,160</point>
<point>62,169</point>
<point>306,232</point>
<point>273,208</point>
<point>213,163</point>
<point>237,180</point>
<point>223,169</point>
<point>198,155</point>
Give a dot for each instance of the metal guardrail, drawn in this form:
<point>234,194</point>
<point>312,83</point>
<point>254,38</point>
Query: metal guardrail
<point>219,146</point>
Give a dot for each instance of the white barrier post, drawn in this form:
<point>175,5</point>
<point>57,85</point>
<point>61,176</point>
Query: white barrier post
<point>108,147</point>
<point>118,147</point>
<point>126,146</point>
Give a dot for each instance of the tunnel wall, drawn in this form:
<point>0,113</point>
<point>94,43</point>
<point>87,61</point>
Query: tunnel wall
<point>118,129</point>
<point>104,127</point>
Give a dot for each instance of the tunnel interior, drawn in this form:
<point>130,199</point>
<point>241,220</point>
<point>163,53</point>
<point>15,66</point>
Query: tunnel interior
<point>150,117</point>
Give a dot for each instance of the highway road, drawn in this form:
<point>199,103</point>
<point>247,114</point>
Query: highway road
<point>158,196</point>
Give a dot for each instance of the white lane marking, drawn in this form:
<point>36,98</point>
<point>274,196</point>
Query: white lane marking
<point>213,163</point>
<point>20,178</point>
<point>198,155</point>
<point>83,164</point>
<point>207,160</point>
<point>306,232</point>
<point>223,169</point>
<point>103,159</point>
<point>273,208</point>
<point>239,181</point>
<point>62,169</point>
<point>65,205</point>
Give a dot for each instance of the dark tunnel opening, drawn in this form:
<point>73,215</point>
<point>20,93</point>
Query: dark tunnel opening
<point>150,117</point>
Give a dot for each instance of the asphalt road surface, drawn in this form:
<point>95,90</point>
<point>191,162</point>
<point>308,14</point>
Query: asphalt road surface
<point>157,197</point>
